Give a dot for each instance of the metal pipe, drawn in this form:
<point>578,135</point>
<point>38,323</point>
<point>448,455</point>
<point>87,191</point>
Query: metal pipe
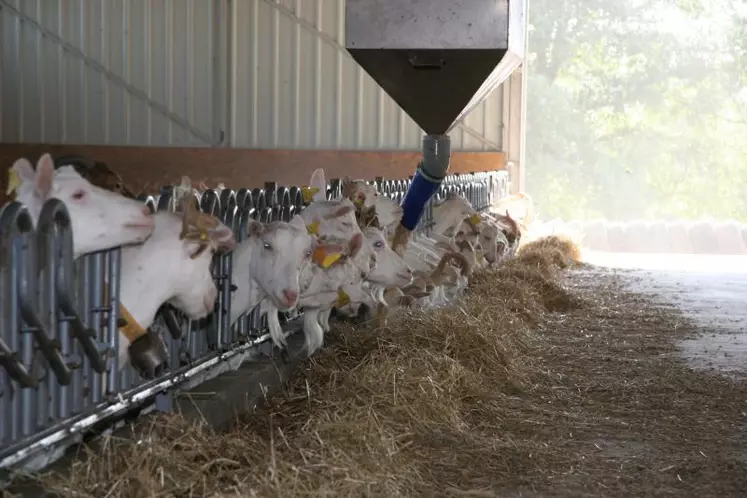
<point>430,174</point>
<point>14,455</point>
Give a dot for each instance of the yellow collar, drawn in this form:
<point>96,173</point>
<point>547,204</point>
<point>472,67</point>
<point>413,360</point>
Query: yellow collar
<point>128,326</point>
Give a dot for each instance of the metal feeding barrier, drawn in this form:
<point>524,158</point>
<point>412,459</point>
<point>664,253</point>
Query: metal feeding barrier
<point>60,380</point>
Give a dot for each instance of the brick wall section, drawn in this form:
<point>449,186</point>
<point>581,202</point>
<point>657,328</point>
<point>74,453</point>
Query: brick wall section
<point>143,168</point>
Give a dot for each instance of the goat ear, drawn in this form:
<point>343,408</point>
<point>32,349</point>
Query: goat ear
<point>186,183</point>
<point>318,181</point>
<point>223,237</point>
<point>326,255</point>
<point>21,172</point>
<point>355,245</point>
<point>44,176</point>
<point>297,222</point>
<point>340,211</point>
<point>254,228</point>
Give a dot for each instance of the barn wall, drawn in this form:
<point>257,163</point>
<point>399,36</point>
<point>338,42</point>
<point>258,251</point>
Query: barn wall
<point>118,72</point>
<point>164,72</point>
<point>296,87</point>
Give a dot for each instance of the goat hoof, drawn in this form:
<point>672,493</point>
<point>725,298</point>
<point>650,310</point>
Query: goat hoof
<point>148,355</point>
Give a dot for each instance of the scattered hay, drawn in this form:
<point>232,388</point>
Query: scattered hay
<point>554,250</point>
<point>464,401</point>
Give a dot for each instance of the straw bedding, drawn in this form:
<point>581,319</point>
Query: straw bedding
<point>539,383</point>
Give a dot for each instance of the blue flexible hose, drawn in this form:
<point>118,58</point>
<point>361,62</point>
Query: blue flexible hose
<point>418,194</point>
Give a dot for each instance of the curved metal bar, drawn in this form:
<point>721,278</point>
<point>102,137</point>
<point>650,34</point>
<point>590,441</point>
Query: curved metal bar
<point>222,275</point>
<point>334,189</point>
<point>14,215</point>
<point>228,200</point>
<point>246,214</point>
<point>15,225</point>
<point>244,198</point>
<point>288,213</point>
<point>14,367</point>
<point>149,201</point>
<point>169,319</point>
<point>296,196</point>
<point>258,195</point>
<point>265,215</point>
<point>55,223</point>
<point>164,201</point>
<point>283,196</point>
<point>210,203</point>
<point>271,193</point>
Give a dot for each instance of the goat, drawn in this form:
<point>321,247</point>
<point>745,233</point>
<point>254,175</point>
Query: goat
<point>100,219</point>
<point>321,289</point>
<point>390,271</point>
<point>173,266</point>
<point>429,258</point>
<point>97,173</point>
<point>268,264</point>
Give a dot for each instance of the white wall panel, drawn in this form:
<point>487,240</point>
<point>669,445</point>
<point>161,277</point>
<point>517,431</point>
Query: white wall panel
<point>296,87</point>
<point>140,72</point>
<point>124,72</point>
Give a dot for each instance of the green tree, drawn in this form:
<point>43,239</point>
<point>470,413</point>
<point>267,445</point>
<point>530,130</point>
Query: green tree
<point>637,108</point>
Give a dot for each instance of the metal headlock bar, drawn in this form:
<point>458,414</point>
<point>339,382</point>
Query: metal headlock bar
<point>59,345</point>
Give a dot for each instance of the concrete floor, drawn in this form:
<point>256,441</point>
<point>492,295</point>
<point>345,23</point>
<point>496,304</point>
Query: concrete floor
<point>710,290</point>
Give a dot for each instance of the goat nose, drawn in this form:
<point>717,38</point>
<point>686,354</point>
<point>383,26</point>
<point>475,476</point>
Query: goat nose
<point>409,271</point>
<point>290,296</point>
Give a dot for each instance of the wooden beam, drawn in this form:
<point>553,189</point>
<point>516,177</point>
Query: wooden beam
<point>151,166</point>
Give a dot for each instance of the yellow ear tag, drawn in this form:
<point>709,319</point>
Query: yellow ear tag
<point>13,182</point>
<point>308,194</point>
<point>313,228</point>
<point>203,236</point>
<point>330,259</point>
<point>358,201</point>
<point>342,298</point>
<point>323,258</point>
<point>475,219</point>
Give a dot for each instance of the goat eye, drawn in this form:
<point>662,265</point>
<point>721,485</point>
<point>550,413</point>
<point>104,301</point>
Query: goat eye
<point>79,195</point>
<point>308,254</point>
<point>266,246</point>
<point>378,244</point>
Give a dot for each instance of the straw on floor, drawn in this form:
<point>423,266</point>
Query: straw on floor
<point>535,384</point>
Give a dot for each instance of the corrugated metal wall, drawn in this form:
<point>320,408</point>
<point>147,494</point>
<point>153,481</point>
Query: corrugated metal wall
<point>138,72</point>
<point>119,72</point>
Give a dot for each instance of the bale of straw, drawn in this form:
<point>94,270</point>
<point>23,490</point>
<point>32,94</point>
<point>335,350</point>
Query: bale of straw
<point>553,250</point>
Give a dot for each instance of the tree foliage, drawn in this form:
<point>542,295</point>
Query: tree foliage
<point>638,108</point>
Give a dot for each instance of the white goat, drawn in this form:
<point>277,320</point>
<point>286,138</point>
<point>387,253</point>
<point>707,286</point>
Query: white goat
<point>268,264</point>
<point>390,271</point>
<point>172,266</point>
<point>100,219</point>
<point>321,289</point>
<point>428,257</point>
